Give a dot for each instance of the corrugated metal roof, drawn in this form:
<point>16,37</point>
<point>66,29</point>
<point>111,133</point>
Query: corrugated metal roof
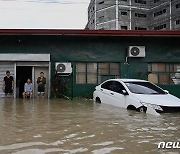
<point>77,32</point>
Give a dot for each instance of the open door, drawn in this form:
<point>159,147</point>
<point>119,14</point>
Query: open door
<point>22,74</point>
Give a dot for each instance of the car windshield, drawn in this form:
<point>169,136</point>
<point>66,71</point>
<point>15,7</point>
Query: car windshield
<point>144,88</point>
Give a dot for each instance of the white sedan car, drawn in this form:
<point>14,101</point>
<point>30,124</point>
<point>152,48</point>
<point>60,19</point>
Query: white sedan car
<point>139,95</point>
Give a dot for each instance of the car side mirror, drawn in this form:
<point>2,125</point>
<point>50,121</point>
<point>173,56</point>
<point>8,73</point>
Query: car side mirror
<point>124,92</point>
<point>166,91</point>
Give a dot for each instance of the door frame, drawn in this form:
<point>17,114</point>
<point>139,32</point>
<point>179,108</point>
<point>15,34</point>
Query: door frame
<point>33,65</point>
<point>14,80</point>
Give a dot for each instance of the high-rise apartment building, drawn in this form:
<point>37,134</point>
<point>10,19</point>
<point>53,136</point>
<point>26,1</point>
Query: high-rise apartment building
<point>134,14</point>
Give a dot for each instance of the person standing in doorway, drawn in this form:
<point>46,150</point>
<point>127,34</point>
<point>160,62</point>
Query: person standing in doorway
<point>8,84</point>
<point>28,88</point>
<point>41,81</point>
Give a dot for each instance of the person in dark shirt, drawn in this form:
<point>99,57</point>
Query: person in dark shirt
<point>8,84</point>
<point>41,81</point>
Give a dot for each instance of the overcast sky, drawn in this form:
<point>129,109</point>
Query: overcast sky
<point>59,14</point>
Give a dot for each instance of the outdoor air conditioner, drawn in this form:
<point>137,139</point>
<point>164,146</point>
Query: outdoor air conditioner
<point>136,51</point>
<point>63,68</point>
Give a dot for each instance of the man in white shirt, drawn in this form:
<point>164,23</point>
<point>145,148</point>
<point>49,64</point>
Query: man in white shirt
<point>28,89</point>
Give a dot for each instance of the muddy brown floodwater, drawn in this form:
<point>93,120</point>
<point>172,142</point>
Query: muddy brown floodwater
<point>81,126</point>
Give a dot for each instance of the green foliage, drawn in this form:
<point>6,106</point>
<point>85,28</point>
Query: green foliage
<point>60,87</point>
<point>87,96</point>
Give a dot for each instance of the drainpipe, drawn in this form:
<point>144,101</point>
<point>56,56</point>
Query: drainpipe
<point>15,80</point>
<point>117,15</point>
<point>170,16</point>
<point>95,13</point>
<point>73,79</point>
<point>130,15</point>
<point>49,81</point>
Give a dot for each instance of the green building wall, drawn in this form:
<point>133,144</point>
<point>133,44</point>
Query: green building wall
<point>97,49</point>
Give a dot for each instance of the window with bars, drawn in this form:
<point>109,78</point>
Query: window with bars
<point>155,1</point>
<point>177,22</point>
<point>164,73</point>
<point>91,73</point>
<point>159,13</point>
<point>140,28</point>
<point>140,1</point>
<point>125,13</point>
<point>178,6</point>
<point>80,73</point>
<point>140,15</point>
<point>124,27</point>
<point>160,27</point>
<point>94,73</point>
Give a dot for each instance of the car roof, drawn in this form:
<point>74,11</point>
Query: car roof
<point>127,80</point>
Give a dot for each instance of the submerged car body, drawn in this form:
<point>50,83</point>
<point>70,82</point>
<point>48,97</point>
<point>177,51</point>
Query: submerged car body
<point>139,95</point>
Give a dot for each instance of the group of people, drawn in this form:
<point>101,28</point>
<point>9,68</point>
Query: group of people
<point>8,86</point>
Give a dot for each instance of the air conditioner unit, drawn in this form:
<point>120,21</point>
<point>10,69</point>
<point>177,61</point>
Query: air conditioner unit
<point>136,51</point>
<point>63,68</point>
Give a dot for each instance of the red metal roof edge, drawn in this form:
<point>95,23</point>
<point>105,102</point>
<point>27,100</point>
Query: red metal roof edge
<point>79,32</point>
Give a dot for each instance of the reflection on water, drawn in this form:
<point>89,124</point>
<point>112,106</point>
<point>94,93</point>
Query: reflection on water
<point>81,126</point>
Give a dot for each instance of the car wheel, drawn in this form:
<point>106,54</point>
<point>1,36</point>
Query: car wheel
<point>98,100</point>
<point>131,107</point>
<point>142,109</point>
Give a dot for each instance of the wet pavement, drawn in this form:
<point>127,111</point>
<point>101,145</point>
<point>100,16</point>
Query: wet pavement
<point>81,126</point>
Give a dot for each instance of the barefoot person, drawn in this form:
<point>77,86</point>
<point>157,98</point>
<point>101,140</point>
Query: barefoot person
<point>8,84</point>
<point>41,81</point>
<point>28,89</point>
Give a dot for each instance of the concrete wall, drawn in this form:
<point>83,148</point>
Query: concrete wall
<point>107,9</point>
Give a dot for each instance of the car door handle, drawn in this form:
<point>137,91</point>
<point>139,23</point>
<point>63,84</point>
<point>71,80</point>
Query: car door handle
<point>101,89</point>
<point>112,93</point>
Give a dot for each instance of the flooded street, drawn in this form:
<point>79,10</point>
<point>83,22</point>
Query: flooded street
<point>81,126</point>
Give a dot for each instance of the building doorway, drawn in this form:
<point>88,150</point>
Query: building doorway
<point>22,74</point>
<point>23,66</point>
